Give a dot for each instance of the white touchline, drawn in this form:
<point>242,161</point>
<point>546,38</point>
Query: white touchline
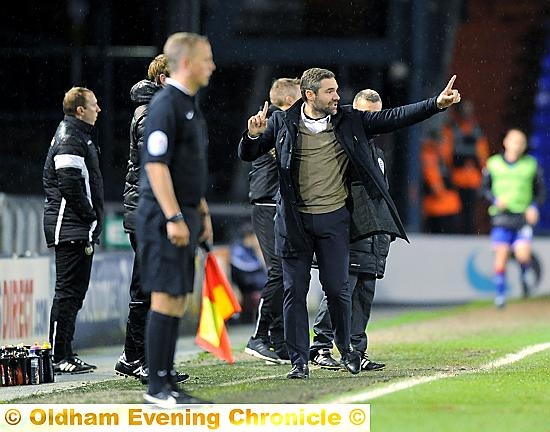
<point>250,380</point>
<point>408,383</point>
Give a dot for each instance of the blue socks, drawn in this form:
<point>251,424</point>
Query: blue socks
<point>500,283</point>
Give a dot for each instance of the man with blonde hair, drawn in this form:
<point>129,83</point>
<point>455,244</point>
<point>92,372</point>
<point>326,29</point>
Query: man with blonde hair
<point>132,362</point>
<point>264,184</point>
<point>173,216</point>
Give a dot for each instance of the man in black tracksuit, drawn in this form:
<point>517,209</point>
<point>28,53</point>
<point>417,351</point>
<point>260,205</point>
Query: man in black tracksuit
<point>132,363</point>
<point>367,263</point>
<point>315,140</point>
<point>73,218</point>
<point>264,184</point>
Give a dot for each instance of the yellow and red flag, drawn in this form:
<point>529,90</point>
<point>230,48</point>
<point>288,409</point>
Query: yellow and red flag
<point>218,305</point>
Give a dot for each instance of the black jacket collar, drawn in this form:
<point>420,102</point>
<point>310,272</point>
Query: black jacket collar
<point>79,124</point>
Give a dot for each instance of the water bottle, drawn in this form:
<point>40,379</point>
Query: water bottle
<point>21,370</point>
<point>35,366</point>
<point>47,363</point>
<point>9,356</point>
<point>38,351</point>
<point>4,367</point>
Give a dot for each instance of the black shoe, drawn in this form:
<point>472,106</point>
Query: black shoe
<point>260,349</point>
<point>131,369</point>
<point>72,366</point>
<point>143,375</point>
<point>163,399</point>
<point>282,353</point>
<point>351,361</point>
<point>82,363</point>
<point>369,365</point>
<point>298,371</point>
<point>324,359</point>
<point>183,398</point>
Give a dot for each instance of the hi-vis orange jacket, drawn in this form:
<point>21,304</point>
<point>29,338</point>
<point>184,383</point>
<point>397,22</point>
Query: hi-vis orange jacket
<point>465,149</point>
<point>440,199</point>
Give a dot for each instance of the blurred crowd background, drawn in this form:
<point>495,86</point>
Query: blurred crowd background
<point>406,50</point>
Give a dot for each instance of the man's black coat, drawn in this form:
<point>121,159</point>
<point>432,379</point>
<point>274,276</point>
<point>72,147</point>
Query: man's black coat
<point>351,128</point>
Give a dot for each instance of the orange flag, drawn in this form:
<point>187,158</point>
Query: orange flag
<point>218,305</point>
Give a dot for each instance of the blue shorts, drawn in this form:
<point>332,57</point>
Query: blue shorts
<point>509,236</point>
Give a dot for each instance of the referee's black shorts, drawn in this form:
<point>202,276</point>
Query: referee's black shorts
<point>165,267</point>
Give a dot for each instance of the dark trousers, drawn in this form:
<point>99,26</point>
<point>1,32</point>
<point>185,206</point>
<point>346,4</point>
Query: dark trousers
<point>363,286</point>
<point>72,276</point>
<point>328,236</point>
<point>140,302</point>
<point>270,310</point>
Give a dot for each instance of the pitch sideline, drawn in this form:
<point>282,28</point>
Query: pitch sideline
<point>408,383</point>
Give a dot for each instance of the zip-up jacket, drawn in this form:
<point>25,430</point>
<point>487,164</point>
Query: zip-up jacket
<point>73,185</point>
<point>369,254</point>
<point>263,176</point>
<point>140,94</point>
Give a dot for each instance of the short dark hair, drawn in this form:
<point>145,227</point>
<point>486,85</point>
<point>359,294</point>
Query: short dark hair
<point>311,80</point>
<point>157,67</point>
<point>74,98</point>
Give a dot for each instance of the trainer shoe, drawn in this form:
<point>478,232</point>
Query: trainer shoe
<point>369,365</point>
<point>183,398</point>
<point>143,375</point>
<point>71,366</point>
<point>81,362</point>
<point>128,369</point>
<point>282,353</point>
<point>324,359</point>
<point>260,349</point>
<point>163,399</point>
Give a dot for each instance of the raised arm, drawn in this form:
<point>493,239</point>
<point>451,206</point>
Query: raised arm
<point>396,118</point>
<point>258,139</point>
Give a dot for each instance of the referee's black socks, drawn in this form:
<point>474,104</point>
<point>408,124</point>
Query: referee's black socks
<point>161,337</point>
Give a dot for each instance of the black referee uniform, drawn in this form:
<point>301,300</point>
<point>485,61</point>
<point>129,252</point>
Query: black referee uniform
<point>166,267</point>
<point>181,144</point>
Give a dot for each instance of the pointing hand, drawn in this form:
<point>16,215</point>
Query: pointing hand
<point>258,123</point>
<point>448,96</point>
